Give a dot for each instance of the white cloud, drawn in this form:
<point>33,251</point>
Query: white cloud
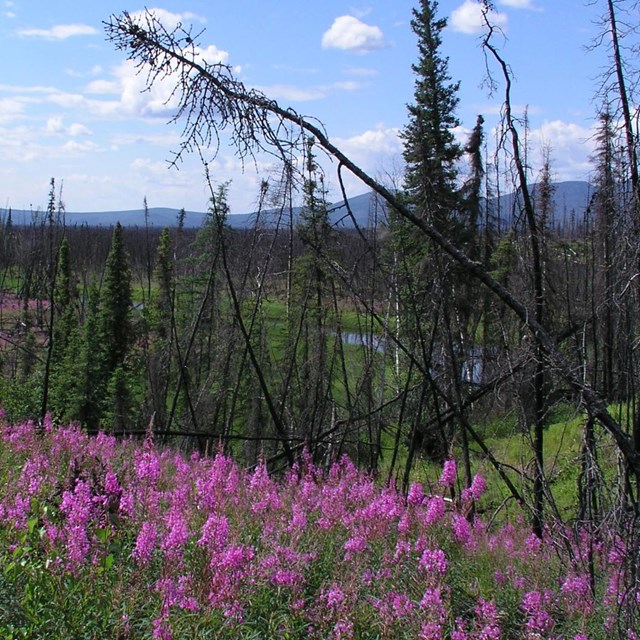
<point>468,18</point>
<point>167,19</point>
<point>74,148</point>
<point>520,4</point>
<point>12,88</point>
<point>163,140</point>
<point>55,125</point>
<point>94,71</point>
<point>11,109</point>
<point>379,140</point>
<point>131,87</point>
<point>78,129</point>
<point>105,87</point>
<point>350,34</point>
<point>571,147</point>
<point>362,72</point>
<point>60,31</point>
<point>25,144</point>
<point>291,93</point>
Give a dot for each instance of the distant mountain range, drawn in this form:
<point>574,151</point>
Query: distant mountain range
<point>570,200</point>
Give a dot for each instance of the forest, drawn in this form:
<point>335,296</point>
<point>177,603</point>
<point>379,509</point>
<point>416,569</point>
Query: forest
<point>444,325</point>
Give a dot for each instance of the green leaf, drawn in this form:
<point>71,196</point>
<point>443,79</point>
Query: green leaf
<point>108,562</point>
<point>31,523</point>
<point>103,535</point>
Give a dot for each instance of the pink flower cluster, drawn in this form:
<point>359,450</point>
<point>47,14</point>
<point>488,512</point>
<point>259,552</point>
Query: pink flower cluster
<point>333,553</point>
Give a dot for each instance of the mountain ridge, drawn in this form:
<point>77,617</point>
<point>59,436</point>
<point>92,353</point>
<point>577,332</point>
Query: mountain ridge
<point>571,198</point>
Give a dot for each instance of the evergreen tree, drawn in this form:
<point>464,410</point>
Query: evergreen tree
<point>115,305</point>
<point>65,296</point>
<point>430,150</point>
<point>471,192</point>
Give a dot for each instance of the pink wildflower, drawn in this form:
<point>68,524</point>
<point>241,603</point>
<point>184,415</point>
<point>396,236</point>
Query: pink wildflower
<point>343,630</point>
<point>477,488</point>
<point>487,620</point>
<point>534,605</point>
<point>356,544</point>
<point>334,598</point>
<point>435,510</point>
<point>449,473</point>
<point>430,631</point>
<point>416,493</point>
<point>532,544</point>
<point>400,604</point>
<point>286,578</point>
<point>145,542</point>
<point>577,593</point>
<point>214,532</point>
<point>111,484</point>
<point>77,545</point>
<point>433,561</point>
<point>461,529</point>
<point>459,633</point>
<point>434,613</point>
<point>177,535</point>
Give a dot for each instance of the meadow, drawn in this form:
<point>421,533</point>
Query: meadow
<point>107,538</point>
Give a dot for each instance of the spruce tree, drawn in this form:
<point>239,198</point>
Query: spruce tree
<point>428,288</point>
<point>430,150</point>
<point>115,305</point>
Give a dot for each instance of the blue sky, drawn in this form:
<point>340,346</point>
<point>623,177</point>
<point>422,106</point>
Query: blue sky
<point>71,107</point>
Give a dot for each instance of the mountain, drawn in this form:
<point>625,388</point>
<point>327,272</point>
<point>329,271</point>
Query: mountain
<point>570,201</point>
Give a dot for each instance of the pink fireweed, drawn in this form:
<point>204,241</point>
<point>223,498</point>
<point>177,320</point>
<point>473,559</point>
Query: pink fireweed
<point>577,594</point>
<point>146,542</point>
<point>476,490</point>
<point>415,494</point>
<point>449,474</point>
<point>461,529</point>
<point>184,542</point>
<point>433,614</point>
<point>536,604</point>
<point>176,536</point>
<point>214,532</point>
<point>433,561</point>
<point>435,511</point>
<point>487,620</point>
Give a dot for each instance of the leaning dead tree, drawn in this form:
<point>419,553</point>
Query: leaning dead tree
<point>211,103</point>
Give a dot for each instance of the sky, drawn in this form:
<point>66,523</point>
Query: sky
<point>72,107</point>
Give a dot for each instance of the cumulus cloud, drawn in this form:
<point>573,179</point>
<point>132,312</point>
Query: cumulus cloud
<point>55,125</point>
<point>12,109</point>
<point>167,19</point>
<point>60,31</point>
<point>94,71</point>
<point>75,148</point>
<point>520,4</point>
<point>377,141</point>
<point>291,93</point>
<point>350,34</point>
<point>571,147</point>
<point>467,18</point>
<point>130,89</point>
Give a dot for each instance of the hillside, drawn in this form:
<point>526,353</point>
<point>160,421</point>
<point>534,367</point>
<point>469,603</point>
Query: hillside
<point>570,198</point>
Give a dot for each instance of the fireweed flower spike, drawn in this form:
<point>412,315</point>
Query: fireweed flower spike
<point>449,474</point>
